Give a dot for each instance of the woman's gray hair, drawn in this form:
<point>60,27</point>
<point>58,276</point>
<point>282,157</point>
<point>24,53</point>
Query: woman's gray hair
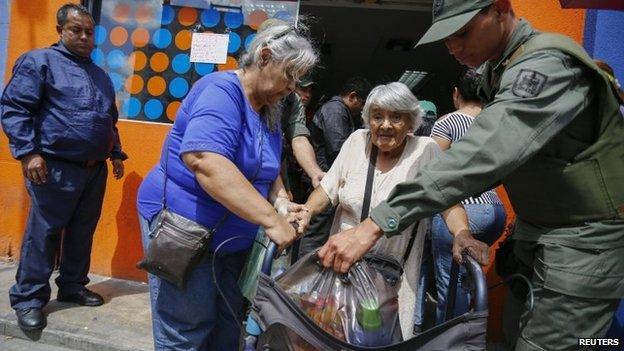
<point>288,45</point>
<point>395,97</point>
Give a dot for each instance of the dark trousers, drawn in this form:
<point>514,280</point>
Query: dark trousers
<point>70,204</point>
<point>557,319</point>
<point>317,233</point>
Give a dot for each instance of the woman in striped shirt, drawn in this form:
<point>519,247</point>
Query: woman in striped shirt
<point>485,211</point>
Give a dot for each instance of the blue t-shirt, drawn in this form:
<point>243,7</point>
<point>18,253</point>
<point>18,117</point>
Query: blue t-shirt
<point>215,117</point>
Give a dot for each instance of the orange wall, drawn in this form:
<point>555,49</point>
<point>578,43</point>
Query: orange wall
<point>117,243</point>
<point>548,16</point>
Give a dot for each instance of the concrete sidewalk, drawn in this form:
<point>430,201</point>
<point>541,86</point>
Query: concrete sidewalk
<point>121,324</point>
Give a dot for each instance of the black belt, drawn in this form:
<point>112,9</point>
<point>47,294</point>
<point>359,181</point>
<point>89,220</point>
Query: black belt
<point>83,164</point>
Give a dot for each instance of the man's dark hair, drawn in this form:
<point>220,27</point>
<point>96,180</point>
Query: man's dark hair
<point>468,85</point>
<point>61,14</point>
<point>359,85</point>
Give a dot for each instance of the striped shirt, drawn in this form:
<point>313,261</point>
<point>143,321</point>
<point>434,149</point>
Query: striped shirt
<point>452,128</point>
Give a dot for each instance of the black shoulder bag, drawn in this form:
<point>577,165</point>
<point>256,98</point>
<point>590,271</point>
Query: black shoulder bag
<point>389,267</point>
<point>178,244</point>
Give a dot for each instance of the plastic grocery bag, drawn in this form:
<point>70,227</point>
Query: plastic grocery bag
<point>358,307</point>
<point>248,281</point>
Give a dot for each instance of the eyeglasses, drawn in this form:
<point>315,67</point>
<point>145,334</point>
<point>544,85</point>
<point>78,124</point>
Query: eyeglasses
<point>393,118</point>
<point>281,34</point>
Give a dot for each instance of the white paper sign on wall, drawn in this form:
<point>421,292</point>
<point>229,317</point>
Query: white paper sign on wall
<point>209,47</point>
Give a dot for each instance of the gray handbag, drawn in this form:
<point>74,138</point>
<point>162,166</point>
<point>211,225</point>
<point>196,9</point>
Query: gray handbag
<point>177,247</point>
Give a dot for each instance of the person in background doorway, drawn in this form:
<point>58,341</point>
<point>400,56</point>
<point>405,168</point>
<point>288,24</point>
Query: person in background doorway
<point>300,184</point>
<point>431,115</point>
<point>305,90</point>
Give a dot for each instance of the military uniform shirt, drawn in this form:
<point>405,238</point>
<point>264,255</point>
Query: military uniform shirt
<point>539,95</point>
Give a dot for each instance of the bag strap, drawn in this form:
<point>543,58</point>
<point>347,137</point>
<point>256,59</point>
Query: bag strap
<point>368,189</point>
<point>410,243</point>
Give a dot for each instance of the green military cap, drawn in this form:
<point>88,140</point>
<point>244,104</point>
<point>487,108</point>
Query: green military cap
<point>306,82</point>
<point>449,16</point>
<point>430,109</point>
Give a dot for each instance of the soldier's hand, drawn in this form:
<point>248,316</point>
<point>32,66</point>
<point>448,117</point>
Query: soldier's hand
<point>118,168</point>
<point>342,250</point>
<point>464,241</point>
<point>35,169</point>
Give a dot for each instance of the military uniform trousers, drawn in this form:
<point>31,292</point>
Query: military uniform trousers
<point>558,319</point>
<point>69,202</point>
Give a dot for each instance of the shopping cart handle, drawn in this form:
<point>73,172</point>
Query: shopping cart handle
<point>480,291</point>
<point>480,288</point>
<point>270,254</point>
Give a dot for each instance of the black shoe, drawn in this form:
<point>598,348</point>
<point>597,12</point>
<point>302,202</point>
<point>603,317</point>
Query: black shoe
<point>417,329</point>
<point>31,319</point>
<point>84,297</point>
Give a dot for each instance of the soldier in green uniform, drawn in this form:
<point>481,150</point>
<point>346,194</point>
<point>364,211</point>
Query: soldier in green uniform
<point>552,133</point>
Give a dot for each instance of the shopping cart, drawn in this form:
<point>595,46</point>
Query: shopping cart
<point>277,323</point>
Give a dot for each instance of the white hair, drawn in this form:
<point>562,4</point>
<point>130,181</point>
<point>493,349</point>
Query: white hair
<point>395,97</point>
<point>288,45</point>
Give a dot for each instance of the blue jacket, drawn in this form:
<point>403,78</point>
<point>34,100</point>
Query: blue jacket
<point>61,105</point>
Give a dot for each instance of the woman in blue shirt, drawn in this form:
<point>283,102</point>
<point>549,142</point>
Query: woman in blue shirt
<point>221,164</point>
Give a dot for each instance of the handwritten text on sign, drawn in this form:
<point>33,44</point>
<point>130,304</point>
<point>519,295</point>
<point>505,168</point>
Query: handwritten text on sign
<point>209,47</point>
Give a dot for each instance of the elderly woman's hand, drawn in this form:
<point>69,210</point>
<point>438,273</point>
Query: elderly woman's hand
<point>285,207</point>
<point>281,232</point>
<point>302,218</point>
<point>464,241</point>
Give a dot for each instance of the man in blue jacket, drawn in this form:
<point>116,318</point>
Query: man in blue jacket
<point>58,111</point>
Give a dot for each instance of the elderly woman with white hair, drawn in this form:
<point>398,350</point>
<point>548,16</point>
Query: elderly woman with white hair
<point>220,168</point>
<point>392,113</point>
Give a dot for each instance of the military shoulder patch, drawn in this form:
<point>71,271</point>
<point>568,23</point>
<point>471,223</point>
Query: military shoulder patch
<point>529,83</point>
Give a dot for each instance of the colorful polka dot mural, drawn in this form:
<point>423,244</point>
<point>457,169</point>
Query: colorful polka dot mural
<point>183,39</point>
<point>159,62</point>
<point>134,84</point>
<point>137,60</point>
<point>145,48</point>
<point>156,86</point>
<point>118,36</point>
<point>140,37</point>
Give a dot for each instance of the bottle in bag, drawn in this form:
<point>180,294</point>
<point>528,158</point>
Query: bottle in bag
<point>368,329</point>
